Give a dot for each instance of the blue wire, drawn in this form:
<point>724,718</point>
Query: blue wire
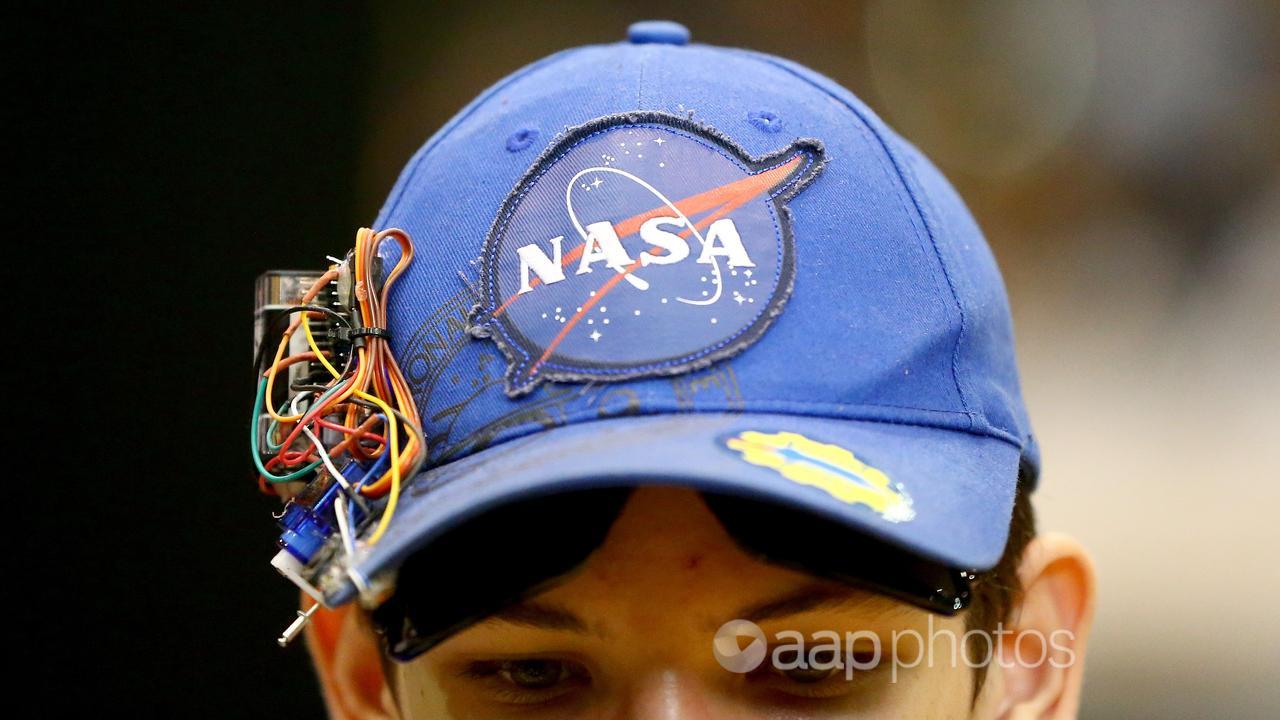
<point>374,471</point>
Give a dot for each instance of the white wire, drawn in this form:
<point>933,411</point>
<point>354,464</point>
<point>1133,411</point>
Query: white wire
<point>340,511</point>
<point>340,502</point>
<point>296,409</point>
<point>328,461</point>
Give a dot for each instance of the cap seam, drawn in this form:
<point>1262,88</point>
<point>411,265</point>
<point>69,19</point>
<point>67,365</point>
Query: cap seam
<point>955,279</point>
<point>897,166</point>
<point>643,63</point>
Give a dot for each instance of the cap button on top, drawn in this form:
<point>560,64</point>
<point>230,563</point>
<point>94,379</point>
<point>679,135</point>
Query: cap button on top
<point>663,32</point>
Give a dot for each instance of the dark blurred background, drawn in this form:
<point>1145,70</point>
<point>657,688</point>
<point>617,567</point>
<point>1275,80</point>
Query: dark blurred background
<point>1123,158</point>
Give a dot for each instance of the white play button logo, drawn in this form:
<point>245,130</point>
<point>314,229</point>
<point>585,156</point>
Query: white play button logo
<point>729,651</point>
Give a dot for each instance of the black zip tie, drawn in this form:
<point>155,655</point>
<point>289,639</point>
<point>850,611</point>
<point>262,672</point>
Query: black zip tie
<point>369,332</point>
<point>356,336</point>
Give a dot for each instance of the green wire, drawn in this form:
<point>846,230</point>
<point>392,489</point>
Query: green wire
<point>271,429</point>
<point>253,442</point>
<point>271,432</point>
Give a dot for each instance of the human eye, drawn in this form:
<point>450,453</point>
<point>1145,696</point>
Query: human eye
<point>528,681</point>
<point>820,675</point>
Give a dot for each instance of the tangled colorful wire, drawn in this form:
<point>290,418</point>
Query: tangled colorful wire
<point>366,403</point>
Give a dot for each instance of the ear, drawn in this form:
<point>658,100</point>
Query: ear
<point>1042,650</point>
<point>348,662</point>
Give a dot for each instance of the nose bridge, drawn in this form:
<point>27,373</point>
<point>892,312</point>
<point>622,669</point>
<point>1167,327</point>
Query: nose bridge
<point>667,694</point>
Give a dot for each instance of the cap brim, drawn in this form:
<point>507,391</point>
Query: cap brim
<point>960,485</point>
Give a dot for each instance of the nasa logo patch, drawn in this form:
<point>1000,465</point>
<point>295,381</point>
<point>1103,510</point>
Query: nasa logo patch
<point>639,245</point>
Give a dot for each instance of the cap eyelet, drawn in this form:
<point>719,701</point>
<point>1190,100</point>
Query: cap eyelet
<point>521,139</point>
<point>765,120</point>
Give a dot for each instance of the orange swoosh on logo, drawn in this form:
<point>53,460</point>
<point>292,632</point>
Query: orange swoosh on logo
<point>738,191</point>
<point>729,197</point>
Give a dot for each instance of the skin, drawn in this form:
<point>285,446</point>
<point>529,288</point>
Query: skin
<point>630,636</point>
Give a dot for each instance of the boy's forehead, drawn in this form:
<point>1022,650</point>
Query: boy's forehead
<point>668,549</point>
<point>666,538</point>
<point>651,511</point>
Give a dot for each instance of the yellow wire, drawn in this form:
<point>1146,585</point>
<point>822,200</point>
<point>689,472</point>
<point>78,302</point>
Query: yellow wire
<point>363,236</point>
<point>284,343</point>
<point>306,328</point>
<point>359,381</point>
<point>271,380</point>
<point>393,446</point>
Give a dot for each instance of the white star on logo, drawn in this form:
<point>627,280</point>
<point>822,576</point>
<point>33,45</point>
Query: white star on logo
<point>595,335</point>
<point>659,141</point>
<point>597,183</point>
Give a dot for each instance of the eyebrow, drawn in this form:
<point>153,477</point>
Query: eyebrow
<point>810,599</point>
<point>549,616</point>
<point>541,616</point>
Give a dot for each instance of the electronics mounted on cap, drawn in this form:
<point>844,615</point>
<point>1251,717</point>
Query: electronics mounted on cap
<point>335,429</point>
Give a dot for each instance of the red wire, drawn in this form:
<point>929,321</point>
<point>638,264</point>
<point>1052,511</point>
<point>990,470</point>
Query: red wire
<point>351,431</point>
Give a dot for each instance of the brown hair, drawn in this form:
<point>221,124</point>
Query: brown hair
<point>999,589</point>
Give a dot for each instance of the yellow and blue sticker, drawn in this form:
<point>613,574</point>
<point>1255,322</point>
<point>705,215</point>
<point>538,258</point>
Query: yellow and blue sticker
<point>830,468</point>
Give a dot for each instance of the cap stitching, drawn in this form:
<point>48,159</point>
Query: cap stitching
<point>644,58</point>
<point>955,356</point>
<point>927,201</point>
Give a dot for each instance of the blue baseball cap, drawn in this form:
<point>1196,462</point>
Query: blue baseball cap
<point>657,262</point>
